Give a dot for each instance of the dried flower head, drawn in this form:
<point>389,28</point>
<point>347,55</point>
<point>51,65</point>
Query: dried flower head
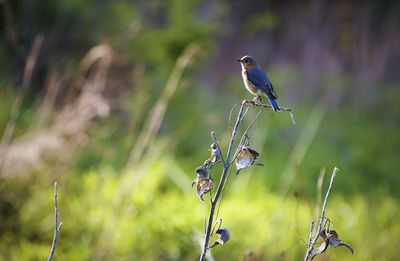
<point>204,185</point>
<point>201,172</point>
<point>223,237</point>
<point>245,158</point>
<point>215,156</point>
<point>335,241</point>
<point>331,238</point>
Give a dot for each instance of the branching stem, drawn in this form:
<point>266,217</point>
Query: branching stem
<point>312,243</point>
<point>227,162</point>
<point>221,182</point>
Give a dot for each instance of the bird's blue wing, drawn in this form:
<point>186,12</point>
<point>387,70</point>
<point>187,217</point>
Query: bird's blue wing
<point>259,78</point>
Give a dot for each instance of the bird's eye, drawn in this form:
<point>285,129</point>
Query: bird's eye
<point>246,61</point>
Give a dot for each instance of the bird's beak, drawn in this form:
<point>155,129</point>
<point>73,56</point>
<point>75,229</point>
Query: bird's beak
<point>239,60</point>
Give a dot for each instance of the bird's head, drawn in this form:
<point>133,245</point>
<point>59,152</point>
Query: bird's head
<point>247,62</point>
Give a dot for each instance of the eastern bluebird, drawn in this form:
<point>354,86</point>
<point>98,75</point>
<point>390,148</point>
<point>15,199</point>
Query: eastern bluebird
<point>257,81</point>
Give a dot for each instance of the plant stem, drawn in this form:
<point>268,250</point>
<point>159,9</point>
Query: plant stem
<point>57,227</point>
<point>321,220</point>
<point>221,183</point>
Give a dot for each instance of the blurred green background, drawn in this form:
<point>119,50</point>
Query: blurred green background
<point>116,101</point>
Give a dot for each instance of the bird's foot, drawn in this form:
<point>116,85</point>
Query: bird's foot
<point>256,99</point>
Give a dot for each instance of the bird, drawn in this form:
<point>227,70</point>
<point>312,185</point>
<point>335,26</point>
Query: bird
<point>256,81</point>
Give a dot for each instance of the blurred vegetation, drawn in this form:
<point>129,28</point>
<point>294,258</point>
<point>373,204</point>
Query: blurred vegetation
<point>120,199</point>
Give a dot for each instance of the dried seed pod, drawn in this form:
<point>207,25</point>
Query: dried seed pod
<point>215,153</point>
<point>215,156</point>
<point>204,186</point>
<point>322,247</point>
<point>223,237</point>
<point>201,172</point>
<point>245,158</point>
<point>330,239</point>
<point>334,241</point>
<point>253,153</point>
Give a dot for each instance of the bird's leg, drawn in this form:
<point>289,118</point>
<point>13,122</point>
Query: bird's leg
<point>257,99</point>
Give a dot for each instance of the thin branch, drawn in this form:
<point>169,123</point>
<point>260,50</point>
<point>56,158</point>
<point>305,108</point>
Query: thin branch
<point>230,115</point>
<point>267,106</point>
<point>319,190</point>
<point>221,182</point>
<point>281,109</point>
<point>312,243</point>
<point>310,236</point>
<point>252,123</point>
<point>57,227</point>
<point>244,135</point>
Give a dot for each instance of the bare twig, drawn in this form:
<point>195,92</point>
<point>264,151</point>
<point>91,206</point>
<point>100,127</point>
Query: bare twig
<point>311,244</point>
<point>57,227</point>
<point>252,103</point>
<point>252,123</point>
<point>230,115</point>
<point>310,236</point>
<point>221,182</point>
<point>242,139</point>
<point>319,190</point>
<point>267,106</point>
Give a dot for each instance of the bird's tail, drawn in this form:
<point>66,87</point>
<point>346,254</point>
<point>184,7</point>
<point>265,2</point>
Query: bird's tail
<point>273,102</point>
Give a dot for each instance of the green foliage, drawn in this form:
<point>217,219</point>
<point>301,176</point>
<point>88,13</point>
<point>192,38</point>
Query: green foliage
<point>149,211</point>
<point>166,224</point>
